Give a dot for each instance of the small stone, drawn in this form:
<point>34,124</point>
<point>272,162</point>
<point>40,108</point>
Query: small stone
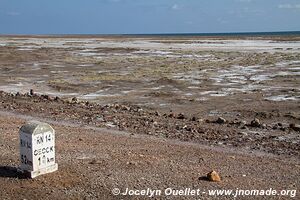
<point>295,127</point>
<point>275,127</point>
<point>31,92</point>
<point>56,98</point>
<point>193,119</point>
<point>125,108</point>
<point>74,99</point>
<point>171,115</point>
<point>221,120</point>
<point>255,123</point>
<point>243,134</point>
<point>94,161</point>
<point>101,119</point>
<point>236,121</point>
<point>110,125</point>
<point>132,163</point>
<point>187,128</point>
<point>45,97</point>
<point>213,176</point>
<point>243,123</point>
<point>180,116</point>
<point>200,120</point>
<point>157,113</point>
<point>282,128</point>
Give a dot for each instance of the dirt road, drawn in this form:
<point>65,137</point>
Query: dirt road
<point>92,161</point>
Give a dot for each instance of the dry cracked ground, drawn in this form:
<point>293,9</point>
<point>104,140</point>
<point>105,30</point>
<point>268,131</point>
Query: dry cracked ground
<point>153,113</point>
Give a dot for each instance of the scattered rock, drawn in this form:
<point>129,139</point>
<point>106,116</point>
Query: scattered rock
<point>126,108</point>
<point>283,128</point>
<point>221,120</point>
<point>243,134</point>
<point>255,123</point>
<point>180,116</point>
<point>56,98</point>
<point>200,120</point>
<point>275,127</point>
<point>292,115</point>
<point>74,100</point>
<point>132,163</point>
<point>31,92</point>
<point>187,128</point>
<point>235,121</point>
<point>213,176</point>
<point>117,106</point>
<point>110,125</point>
<point>138,121</point>
<point>295,127</point>
<point>171,115</point>
<point>94,161</point>
<point>243,123</point>
<point>193,119</point>
<point>157,113</point>
<point>263,114</point>
<point>45,97</point>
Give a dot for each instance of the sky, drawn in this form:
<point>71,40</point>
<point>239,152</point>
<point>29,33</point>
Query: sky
<point>147,16</point>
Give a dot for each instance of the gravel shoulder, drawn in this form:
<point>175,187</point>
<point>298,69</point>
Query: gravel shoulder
<point>92,161</point>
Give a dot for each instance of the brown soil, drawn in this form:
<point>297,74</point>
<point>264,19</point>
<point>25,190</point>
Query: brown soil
<point>93,161</point>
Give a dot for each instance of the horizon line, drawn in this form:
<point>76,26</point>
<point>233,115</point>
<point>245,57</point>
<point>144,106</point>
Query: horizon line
<point>161,34</point>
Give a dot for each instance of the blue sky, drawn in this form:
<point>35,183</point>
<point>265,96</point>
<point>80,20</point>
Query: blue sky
<point>147,16</point>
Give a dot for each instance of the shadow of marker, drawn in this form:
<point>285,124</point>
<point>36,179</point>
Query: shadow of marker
<point>11,172</point>
<point>203,178</point>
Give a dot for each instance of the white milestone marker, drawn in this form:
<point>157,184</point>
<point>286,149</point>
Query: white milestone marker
<point>37,149</point>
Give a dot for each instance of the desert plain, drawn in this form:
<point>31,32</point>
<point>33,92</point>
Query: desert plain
<point>153,112</point>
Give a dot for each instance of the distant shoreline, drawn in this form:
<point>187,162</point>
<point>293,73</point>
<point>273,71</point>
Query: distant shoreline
<point>278,33</point>
<point>169,35</point>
